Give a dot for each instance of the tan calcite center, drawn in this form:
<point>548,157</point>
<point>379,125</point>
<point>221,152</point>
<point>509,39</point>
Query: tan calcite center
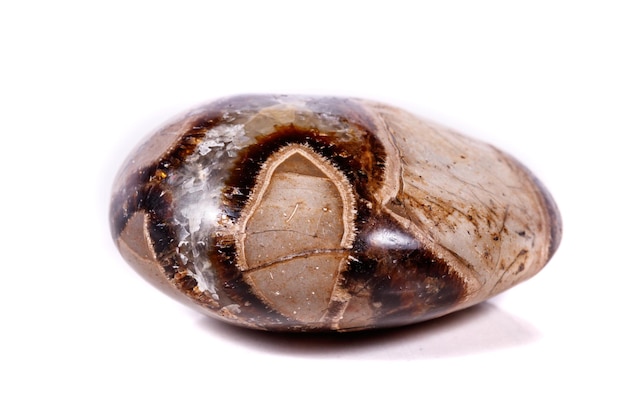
<point>294,232</point>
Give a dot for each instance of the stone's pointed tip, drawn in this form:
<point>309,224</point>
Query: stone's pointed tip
<point>555,219</point>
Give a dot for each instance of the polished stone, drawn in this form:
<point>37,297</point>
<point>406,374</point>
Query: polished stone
<point>297,213</point>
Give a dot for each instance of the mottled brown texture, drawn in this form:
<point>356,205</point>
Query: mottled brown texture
<point>310,214</point>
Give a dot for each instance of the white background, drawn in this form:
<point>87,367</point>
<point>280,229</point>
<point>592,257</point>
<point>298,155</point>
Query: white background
<point>81,82</point>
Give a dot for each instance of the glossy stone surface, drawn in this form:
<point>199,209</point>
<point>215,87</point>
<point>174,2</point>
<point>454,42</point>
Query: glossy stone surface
<point>300,213</point>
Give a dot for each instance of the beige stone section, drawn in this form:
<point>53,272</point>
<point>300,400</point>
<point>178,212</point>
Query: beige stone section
<point>152,148</point>
<point>301,287</point>
<point>293,235</point>
<point>472,204</point>
<point>358,313</point>
<point>266,119</point>
<point>136,248</point>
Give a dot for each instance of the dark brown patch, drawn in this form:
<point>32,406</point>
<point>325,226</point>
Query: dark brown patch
<point>361,160</point>
<point>142,190</point>
<point>404,277</point>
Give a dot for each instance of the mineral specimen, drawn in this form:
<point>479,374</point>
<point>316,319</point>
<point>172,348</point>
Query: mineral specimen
<point>295,213</point>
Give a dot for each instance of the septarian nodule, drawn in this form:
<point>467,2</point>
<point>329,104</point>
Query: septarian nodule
<point>297,213</point>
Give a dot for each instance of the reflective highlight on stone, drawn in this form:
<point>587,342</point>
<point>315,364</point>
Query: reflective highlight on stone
<point>296,213</point>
